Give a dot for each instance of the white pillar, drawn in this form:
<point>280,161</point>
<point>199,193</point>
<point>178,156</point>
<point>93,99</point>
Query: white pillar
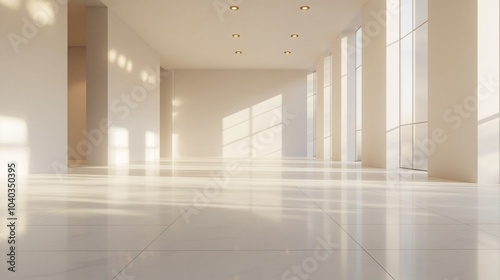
<point>337,100</point>
<point>348,81</point>
<point>319,109</point>
<point>453,80</point>
<point>374,84</point>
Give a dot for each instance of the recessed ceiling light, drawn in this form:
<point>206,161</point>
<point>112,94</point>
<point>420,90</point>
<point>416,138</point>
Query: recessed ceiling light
<point>234,8</point>
<point>294,35</point>
<point>304,8</point>
<point>236,35</point>
<point>238,52</point>
<point>287,52</point>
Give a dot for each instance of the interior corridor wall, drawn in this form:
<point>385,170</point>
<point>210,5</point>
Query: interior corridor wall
<point>133,96</point>
<point>33,88</point>
<point>123,92</point>
<point>240,113</point>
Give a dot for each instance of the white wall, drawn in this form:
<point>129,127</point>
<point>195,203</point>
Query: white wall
<point>374,85</point>
<point>240,113</point>
<point>133,96</point>
<point>77,90</point>
<point>453,80</point>
<point>33,88</point>
<point>123,96</point>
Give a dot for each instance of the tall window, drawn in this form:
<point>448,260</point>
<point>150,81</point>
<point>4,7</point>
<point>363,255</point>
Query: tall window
<point>327,117</point>
<point>311,113</point>
<point>407,53</point>
<point>359,90</point>
<point>413,89</point>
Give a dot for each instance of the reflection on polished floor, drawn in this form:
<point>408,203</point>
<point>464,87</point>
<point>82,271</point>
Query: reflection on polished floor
<point>254,220</point>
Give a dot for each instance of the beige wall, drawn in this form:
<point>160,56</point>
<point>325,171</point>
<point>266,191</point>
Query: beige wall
<point>452,80</point>
<point>215,112</point>
<point>77,90</point>
<point>97,86</point>
<point>33,90</point>
<point>374,86</point>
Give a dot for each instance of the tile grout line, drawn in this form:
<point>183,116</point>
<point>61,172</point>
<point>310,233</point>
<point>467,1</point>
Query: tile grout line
<point>448,217</point>
<point>417,205</point>
<point>383,268</point>
<point>143,250</point>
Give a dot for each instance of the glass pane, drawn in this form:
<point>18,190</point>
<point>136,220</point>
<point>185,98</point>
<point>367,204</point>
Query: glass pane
<point>358,145</point>
<point>315,83</point>
<point>406,80</point>
<point>392,102</point>
<point>344,55</point>
<point>393,152</point>
<point>359,90</point>
<point>421,12</point>
<point>310,84</point>
<point>327,70</point>
<point>359,47</point>
<point>421,74</point>
<point>310,126</point>
<point>406,17</point>
<point>406,155</point>
<point>420,147</point>
<point>327,111</point>
<point>327,148</point>
<point>393,8</point>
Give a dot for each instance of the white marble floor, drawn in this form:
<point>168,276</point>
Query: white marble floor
<point>252,220</point>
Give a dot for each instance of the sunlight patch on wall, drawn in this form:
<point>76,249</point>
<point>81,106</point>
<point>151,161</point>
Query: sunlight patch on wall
<point>152,147</point>
<point>14,143</point>
<point>121,60</point>
<point>43,12</point>
<point>255,131</point>
<point>11,4</point>
<point>119,140</point>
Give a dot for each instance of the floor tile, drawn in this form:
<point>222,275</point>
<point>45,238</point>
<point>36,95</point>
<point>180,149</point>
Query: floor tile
<point>388,216</point>
<point>440,264</point>
<point>84,238</point>
<point>422,237</point>
<point>253,228</point>
<point>245,265</point>
<point>68,265</point>
<point>273,219</point>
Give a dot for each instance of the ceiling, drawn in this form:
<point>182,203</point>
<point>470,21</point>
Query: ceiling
<point>196,34</point>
